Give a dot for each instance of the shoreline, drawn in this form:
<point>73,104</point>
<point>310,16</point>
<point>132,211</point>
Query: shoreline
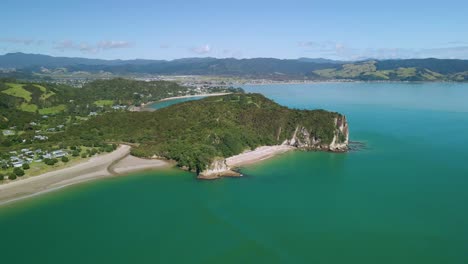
<point>259,154</point>
<point>119,163</point>
<point>116,163</point>
<point>231,164</point>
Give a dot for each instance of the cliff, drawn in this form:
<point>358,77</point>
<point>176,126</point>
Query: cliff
<point>302,138</point>
<point>218,168</point>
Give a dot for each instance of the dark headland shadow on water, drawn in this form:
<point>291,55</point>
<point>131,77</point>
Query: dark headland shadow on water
<point>355,146</point>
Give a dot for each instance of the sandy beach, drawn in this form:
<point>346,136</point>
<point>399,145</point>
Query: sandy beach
<point>259,154</point>
<point>102,166</point>
<point>118,162</point>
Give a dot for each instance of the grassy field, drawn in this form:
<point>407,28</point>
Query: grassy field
<point>45,94</point>
<point>17,90</point>
<point>52,110</point>
<point>28,107</point>
<point>104,103</point>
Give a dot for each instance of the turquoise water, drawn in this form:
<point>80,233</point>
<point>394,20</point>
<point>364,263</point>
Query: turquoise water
<point>162,104</point>
<point>402,199</point>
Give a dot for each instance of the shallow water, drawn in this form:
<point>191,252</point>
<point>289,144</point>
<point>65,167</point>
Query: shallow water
<point>401,199</point>
<point>166,103</point>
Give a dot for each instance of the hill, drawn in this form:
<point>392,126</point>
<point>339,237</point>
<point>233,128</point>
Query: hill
<point>197,133</point>
<point>27,66</point>
<point>24,102</point>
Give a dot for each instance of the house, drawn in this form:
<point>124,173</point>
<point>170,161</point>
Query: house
<point>18,164</point>
<point>40,137</point>
<point>59,153</point>
<point>8,132</point>
<point>93,114</point>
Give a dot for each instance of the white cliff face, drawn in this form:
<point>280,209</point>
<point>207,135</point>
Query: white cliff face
<point>303,139</point>
<point>217,169</point>
<point>341,138</point>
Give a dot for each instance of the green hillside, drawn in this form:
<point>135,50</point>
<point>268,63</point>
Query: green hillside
<point>370,71</point>
<point>194,133</point>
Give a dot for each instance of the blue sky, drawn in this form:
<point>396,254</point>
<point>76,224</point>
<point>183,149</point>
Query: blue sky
<point>243,29</point>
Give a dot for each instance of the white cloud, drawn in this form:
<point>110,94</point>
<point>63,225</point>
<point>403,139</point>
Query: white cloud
<point>205,49</point>
<point>110,44</point>
<point>91,48</point>
<point>337,50</point>
<point>17,41</point>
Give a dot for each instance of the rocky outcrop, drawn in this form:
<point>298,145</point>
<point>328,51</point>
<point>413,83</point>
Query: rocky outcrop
<point>218,168</point>
<point>304,139</point>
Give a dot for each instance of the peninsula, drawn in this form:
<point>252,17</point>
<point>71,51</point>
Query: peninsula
<point>54,136</point>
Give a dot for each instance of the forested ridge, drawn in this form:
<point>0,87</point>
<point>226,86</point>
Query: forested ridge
<point>194,133</point>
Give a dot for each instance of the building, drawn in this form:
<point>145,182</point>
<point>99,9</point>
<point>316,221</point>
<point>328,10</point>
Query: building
<point>8,132</point>
<point>59,153</point>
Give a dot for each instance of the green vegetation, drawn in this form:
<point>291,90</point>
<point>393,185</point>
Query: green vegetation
<point>45,92</point>
<point>28,107</point>
<point>18,172</point>
<point>52,110</point>
<point>370,71</point>
<point>17,90</point>
<point>195,133</point>
<point>104,102</point>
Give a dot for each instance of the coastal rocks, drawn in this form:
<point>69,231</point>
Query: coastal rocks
<point>218,168</point>
<point>341,136</point>
<point>303,139</point>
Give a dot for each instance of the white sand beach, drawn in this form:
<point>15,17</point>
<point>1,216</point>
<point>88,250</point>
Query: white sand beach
<point>102,166</point>
<point>259,154</point>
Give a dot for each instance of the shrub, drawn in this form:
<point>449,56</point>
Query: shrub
<point>75,153</point>
<point>26,166</point>
<point>2,176</point>
<point>11,176</point>
<point>18,172</point>
<point>50,162</point>
<point>84,155</point>
<point>65,159</point>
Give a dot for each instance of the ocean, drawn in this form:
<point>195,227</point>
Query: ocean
<point>399,197</point>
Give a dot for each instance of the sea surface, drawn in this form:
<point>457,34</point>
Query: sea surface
<point>401,198</point>
<point>162,104</point>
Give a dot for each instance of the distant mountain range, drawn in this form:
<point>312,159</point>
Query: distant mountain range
<point>283,69</point>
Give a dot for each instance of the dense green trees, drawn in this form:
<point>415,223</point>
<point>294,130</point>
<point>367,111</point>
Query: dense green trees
<point>50,162</point>
<point>18,172</point>
<point>194,133</point>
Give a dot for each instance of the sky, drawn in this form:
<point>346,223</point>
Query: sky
<point>159,29</point>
